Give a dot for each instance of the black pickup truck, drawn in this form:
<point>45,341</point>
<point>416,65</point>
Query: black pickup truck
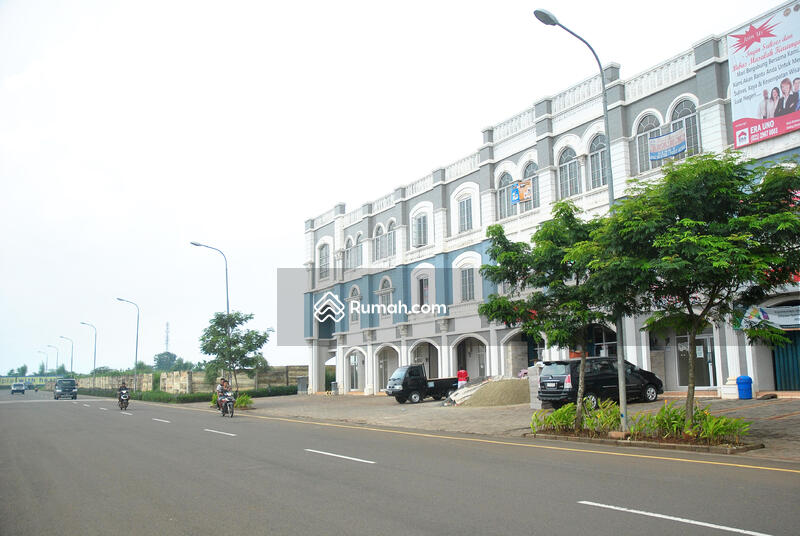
<point>410,383</point>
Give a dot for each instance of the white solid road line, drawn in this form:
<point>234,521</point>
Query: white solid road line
<point>218,432</point>
<point>126,413</point>
<point>87,406</point>
<point>160,420</point>
<point>103,409</point>
<point>338,456</point>
<point>671,518</point>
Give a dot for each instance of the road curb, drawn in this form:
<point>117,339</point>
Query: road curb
<point>714,449</point>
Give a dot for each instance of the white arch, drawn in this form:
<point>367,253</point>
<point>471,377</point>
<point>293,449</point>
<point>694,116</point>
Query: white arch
<point>567,140</point>
<point>422,206</point>
<point>589,134</point>
<point>355,349</point>
<point>530,156</point>
<point>420,341</point>
<point>638,119</point>
<point>677,100</point>
<point>387,345</point>
<point>375,229</point>
<point>468,257</point>
<point>506,167</point>
<point>350,292</point>
<point>467,336</point>
<point>473,191</point>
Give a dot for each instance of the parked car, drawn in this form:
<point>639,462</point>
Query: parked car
<point>65,388</point>
<point>411,383</point>
<point>558,382</point>
<point>18,388</point>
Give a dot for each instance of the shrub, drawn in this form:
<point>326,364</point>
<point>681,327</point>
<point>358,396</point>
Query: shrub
<point>604,418</point>
<point>670,421</point>
<point>214,398</point>
<point>192,397</point>
<point>276,390</point>
<point>243,401</point>
<point>643,426</point>
<point>156,381</point>
<point>560,420</point>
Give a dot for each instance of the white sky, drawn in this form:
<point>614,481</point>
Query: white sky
<point>130,128</point>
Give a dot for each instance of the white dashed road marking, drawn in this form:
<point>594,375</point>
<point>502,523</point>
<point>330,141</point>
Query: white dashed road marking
<point>338,456</point>
<point>160,420</point>
<point>218,432</point>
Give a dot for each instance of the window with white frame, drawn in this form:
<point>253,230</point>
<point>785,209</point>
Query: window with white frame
<point>422,291</point>
<point>359,257</point>
<point>419,231</point>
<point>355,297</point>
<point>464,214</point>
<point>390,241</point>
<point>530,172</point>
<point>569,179</point>
<point>379,244</point>
<point>598,159</point>
<point>649,127</point>
<point>685,116</point>
<point>385,295</point>
<point>324,261</point>
<point>348,255</point>
<point>504,206</point>
<point>467,283</point>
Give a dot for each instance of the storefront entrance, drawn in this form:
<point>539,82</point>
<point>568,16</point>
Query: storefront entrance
<point>705,367</point>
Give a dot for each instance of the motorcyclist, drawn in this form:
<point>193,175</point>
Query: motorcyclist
<point>122,387</point>
<point>221,388</point>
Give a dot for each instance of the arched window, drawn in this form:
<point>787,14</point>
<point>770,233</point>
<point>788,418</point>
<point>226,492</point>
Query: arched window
<point>648,128</point>
<point>419,237</point>
<point>569,179</point>
<point>324,261</point>
<point>359,258</point>
<point>685,116</point>
<point>355,296</point>
<point>348,255</point>
<point>464,213</point>
<point>504,206</point>
<point>598,159</point>
<point>385,296</point>
<point>379,243</point>
<point>531,169</point>
<point>390,242</point>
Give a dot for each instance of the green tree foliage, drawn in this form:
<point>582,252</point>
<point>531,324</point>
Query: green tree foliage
<point>22,371</point>
<point>550,287</point>
<point>61,370</point>
<point>42,371</point>
<point>180,364</point>
<point>233,347</point>
<point>716,234</point>
<point>164,361</point>
<point>143,368</point>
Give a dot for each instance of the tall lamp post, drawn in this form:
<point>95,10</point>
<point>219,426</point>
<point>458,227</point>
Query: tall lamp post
<point>71,352</point>
<point>227,298</point>
<point>136,352</point>
<point>94,359</point>
<point>56,348</point>
<point>45,360</point>
<point>549,19</point>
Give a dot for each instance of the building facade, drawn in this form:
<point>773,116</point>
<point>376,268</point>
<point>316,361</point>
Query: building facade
<point>423,243</point>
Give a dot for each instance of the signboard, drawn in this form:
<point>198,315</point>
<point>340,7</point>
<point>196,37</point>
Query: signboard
<point>8,380</point>
<point>667,145</point>
<point>764,67</point>
<point>521,191</point>
<point>784,317</point>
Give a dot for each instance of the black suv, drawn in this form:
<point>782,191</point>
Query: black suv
<point>558,382</point>
<point>65,388</point>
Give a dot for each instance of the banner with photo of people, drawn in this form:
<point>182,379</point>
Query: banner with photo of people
<point>764,65</point>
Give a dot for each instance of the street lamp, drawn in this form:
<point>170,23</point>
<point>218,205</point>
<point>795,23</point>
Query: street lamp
<point>227,299</point>
<point>45,360</point>
<point>136,352</point>
<point>94,359</point>
<point>56,347</point>
<point>545,17</point>
<point>71,352</point>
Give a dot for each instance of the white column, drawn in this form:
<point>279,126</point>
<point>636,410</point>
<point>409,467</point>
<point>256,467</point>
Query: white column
<point>439,228</point>
<point>492,354</point>
<point>751,366</point>
<point>444,359</point>
<point>369,373</point>
<point>731,349</point>
<point>630,336</point>
<point>403,357</point>
<point>719,360</point>
<point>342,376</point>
<point>313,368</point>
<point>644,362</point>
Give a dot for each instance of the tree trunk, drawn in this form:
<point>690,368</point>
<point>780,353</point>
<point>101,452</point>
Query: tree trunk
<point>579,402</point>
<point>690,391</point>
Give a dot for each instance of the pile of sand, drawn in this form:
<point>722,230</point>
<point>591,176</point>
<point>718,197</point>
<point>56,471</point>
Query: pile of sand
<point>500,393</point>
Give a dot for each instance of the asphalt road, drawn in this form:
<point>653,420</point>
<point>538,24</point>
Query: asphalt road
<point>84,467</point>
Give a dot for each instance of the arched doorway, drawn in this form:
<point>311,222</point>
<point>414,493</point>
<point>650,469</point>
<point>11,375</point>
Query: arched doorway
<point>427,355</point>
<point>388,361</point>
<point>520,352</point>
<point>471,356</point>
<point>356,363</point>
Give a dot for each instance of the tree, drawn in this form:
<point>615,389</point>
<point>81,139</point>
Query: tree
<point>142,367</point>
<point>22,371</point>
<point>550,286</point>
<point>164,361</point>
<point>180,364</point>
<point>233,347</point>
<point>11,372</point>
<point>42,371</point>
<point>61,370</point>
<point>716,234</point>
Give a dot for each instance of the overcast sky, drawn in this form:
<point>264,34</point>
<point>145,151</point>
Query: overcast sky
<point>130,128</point>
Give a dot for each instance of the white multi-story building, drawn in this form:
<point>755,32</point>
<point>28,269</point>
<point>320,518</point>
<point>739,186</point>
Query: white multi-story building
<point>423,242</point>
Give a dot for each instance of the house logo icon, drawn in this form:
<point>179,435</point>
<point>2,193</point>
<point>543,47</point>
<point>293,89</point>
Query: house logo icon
<point>329,306</point>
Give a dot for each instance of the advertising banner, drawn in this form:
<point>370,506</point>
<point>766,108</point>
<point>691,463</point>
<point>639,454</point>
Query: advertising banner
<point>521,191</point>
<point>764,66</point>
<point>667,145</point>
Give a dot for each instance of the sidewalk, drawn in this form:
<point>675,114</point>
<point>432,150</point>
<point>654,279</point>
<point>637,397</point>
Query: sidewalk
<point>776,423</point>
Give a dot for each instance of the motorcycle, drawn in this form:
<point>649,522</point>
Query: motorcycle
<point>226,403</point>
<point>124,397</point>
